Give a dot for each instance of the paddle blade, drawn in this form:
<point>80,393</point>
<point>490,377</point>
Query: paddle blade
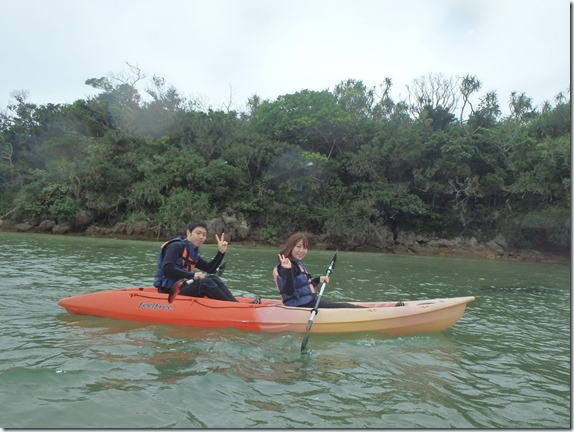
<point>175,290</point>
<point>304,343</point>
<point>309,325</point>
<point>333,261</point>
<point>220,269</point>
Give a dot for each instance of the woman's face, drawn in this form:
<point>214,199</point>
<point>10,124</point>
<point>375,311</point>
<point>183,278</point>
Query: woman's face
<point>299,251</point>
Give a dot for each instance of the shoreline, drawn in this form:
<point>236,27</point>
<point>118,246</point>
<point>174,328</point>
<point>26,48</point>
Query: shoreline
<point>479,252</point>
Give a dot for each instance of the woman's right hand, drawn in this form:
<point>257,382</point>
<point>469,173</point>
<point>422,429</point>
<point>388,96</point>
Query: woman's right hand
<point>285,262</point>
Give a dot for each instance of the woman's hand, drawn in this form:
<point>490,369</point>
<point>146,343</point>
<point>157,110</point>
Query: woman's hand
<point>221,243</point>
<point>285,262</point>
<point>324,279</point>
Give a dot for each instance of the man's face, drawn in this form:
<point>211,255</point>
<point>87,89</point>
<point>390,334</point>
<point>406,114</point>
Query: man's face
<point>197,236</point>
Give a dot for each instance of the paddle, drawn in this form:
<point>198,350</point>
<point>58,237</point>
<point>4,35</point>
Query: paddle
<point>219,270</point>
<point>316,307</point>
<point>176,288</point>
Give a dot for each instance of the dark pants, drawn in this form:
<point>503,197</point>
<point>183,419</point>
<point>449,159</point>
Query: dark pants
<point>210,286</point>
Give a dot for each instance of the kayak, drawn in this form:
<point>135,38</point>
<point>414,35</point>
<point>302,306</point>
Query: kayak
<point>147,305</point>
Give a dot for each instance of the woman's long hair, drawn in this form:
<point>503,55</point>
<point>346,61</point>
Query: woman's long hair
<point>292,241</point>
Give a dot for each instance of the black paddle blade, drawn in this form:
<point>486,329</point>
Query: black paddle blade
<point>333,261</point>
<point>304,343</point>
<point>220,269</point>
<point>307,332</point>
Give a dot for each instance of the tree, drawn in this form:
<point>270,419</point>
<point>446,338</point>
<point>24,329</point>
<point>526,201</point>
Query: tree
<point>346,163</point>
<point>468,85</point>
<point>486,115</point>
<point>310,119</point>
<point>429,92</point>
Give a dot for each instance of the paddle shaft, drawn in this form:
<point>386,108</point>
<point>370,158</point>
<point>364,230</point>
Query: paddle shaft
<point>316,307</point>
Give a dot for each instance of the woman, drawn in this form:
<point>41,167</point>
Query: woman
<point>179,257</point>
<point>295,284</point>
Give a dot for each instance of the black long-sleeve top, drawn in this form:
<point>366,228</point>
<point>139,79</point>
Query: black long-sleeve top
<point>174,251</point>
<point>289,274</point>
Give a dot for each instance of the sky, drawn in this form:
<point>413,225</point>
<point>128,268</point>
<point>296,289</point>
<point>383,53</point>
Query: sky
<point>222,52</point>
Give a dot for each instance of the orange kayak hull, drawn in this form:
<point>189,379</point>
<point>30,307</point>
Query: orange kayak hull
<point>147,305</point>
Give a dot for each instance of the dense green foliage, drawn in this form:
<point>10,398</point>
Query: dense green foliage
<point>342,162</point>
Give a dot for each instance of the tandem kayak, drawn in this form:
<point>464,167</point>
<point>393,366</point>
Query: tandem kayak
<point>147,305</point>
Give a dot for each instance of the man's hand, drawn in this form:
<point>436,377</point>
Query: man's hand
<point>221,243</point>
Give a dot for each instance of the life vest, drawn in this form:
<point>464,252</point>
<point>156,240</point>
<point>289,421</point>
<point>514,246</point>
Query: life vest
<point>304,290</point>
<point>187,261</point>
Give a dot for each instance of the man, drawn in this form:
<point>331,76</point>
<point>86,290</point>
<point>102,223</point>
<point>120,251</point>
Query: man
<point>179,258</point>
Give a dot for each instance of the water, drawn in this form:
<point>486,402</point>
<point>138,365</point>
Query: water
<point>505,364</point>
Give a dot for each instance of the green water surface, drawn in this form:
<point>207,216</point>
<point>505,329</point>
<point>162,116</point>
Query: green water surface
<point>505,364</point>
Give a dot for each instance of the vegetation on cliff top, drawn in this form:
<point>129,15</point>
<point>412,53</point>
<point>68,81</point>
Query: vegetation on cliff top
<point>343,162</point>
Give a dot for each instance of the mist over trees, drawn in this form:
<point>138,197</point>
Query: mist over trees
<point>342,162</point>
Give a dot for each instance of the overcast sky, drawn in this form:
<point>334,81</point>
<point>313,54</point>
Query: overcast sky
<point>227,50</point>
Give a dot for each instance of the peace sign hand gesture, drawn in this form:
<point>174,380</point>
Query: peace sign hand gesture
<point>221,243</point>
<point>285,261</point>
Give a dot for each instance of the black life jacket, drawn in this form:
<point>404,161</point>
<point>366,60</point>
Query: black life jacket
<point>187,261</point>
<point>304,290</point>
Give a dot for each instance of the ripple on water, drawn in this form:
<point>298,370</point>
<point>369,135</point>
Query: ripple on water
<point>505,364</point>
